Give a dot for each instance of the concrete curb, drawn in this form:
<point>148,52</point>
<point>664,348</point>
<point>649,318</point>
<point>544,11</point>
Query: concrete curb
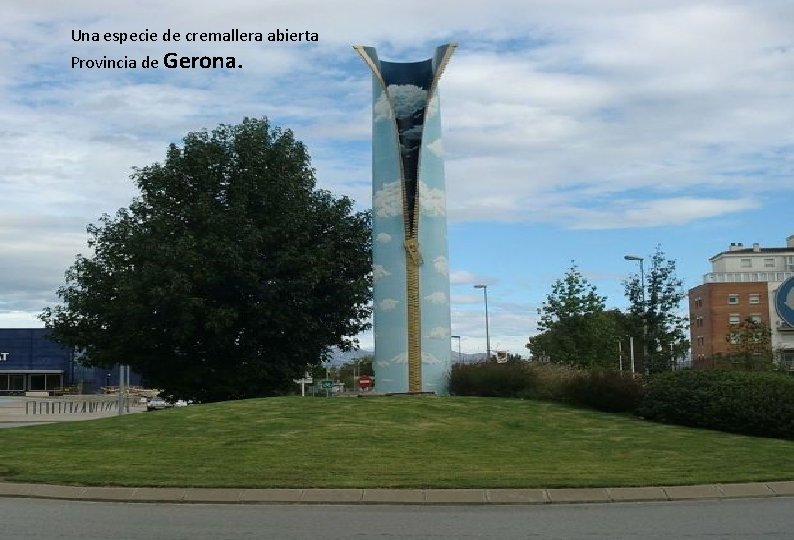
<point>399,496</point>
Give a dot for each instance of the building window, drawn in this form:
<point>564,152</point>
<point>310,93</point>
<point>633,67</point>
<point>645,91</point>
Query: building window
<point>16,382</point>
<point>699,322</point>
<point>769,262</point>
<point>755,298</point>
<point>747,263</point>
<point>787,359</point>
<point>790,263</point>
<point>700,340</point>
<point>734,318</point>
<point>755,317</point>
<point>733,298</point>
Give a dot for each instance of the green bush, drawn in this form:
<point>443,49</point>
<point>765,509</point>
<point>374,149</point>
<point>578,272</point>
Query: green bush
<point>607,391</point>
<point>749,403</point>
<point>489,379</point>
<point>601,390</point>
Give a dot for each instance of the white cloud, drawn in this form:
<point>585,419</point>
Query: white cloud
<point>671,211</point>
<point>407,99</point>
<point>432,201</point>
<point>379,272</point>
<point>428,358</point>
<point>383,238</point>
<point>401,358</point>
<point>463,277</point>
<point>439,332</point>
<point>441,265</point>
<point>467,298</point>
<point>388,200</point>
<point>382,108</point>
<point>411,137</point>
<point>437,297</point>
<point>388,304</point>
<point>436,147</point>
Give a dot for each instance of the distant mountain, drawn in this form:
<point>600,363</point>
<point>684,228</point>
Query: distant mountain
<point>339,357</point>
<point>466,358</point>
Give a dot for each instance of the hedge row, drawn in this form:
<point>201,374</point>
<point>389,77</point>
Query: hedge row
<point>750,403</point>
<point>601,390</point>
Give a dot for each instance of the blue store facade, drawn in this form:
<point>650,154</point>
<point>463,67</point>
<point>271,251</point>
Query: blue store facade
<point>31,362</point>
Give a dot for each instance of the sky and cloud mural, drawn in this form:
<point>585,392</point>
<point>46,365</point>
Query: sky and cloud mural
<point>410,253</point>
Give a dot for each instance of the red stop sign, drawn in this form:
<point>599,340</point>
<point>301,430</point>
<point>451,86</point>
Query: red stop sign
<point>365,381</point>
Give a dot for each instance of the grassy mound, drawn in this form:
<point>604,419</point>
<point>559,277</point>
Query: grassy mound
<point>385,442</point>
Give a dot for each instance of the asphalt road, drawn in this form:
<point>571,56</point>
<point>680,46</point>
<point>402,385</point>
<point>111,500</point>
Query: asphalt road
<point>31,519</point>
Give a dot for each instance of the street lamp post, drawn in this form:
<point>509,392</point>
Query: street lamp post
<point>487,329</point>
<point>645,361</point>
<point>459,355</point>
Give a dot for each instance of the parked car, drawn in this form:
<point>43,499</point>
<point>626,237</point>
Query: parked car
<point>157,403</point>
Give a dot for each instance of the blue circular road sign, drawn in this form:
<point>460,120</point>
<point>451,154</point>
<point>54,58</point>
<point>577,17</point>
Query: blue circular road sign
<point>784,301</point>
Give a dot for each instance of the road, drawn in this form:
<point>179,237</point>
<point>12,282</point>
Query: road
<point>31,519</point>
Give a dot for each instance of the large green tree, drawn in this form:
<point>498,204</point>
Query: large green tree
<point>575,327</point>
<point>658,325</point>
<point>227,275</point>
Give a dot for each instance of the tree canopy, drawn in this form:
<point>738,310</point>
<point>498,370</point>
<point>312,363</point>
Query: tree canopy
<point>576,328</point>
<point>227,275</point>
<point>657,309</point>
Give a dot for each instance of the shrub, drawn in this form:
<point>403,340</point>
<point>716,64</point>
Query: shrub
<point>749,403</point>
<point>553,382</point>
<point>608,391</point>
<point>601,390</point>
<point>489,379</point>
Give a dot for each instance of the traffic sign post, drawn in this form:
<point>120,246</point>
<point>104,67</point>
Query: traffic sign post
<point>365,382</point>
<point>327,384</point>
<point>303,382</point>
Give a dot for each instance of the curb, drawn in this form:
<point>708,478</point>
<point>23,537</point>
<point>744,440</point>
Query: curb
<point>399,496</point>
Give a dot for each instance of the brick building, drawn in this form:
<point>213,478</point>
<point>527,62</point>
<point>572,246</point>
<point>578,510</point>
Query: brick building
<point>742,285</point>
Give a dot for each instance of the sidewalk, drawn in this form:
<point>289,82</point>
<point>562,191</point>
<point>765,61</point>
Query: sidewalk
<point>400,496</point>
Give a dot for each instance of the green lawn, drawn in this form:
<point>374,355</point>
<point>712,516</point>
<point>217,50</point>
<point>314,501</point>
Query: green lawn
<point>385,442</point>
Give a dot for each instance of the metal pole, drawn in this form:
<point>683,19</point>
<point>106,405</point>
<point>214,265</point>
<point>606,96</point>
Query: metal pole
<point>127,400</point>
<point>673,360</point>
<point>487,325</point>
<point>631,348</point>
<point>121,384</point>
<point>646,362</point>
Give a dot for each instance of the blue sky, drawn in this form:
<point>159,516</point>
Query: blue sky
<point>572,130</point>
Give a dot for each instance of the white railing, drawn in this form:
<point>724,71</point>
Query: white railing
<point>746,277</point>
